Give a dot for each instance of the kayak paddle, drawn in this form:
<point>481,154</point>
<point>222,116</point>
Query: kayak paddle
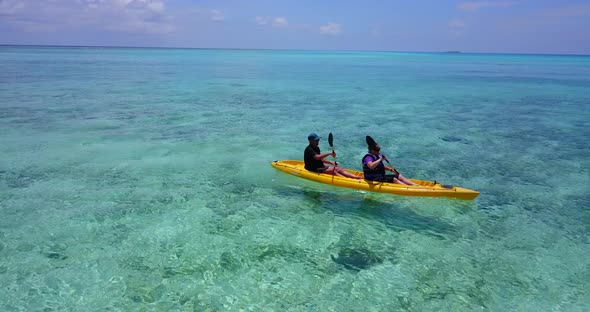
<point>395,170</point>
<point>331,142</point>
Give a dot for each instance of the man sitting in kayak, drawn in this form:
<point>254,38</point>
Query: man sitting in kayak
<point>374,169</point>
<point>315,161</point>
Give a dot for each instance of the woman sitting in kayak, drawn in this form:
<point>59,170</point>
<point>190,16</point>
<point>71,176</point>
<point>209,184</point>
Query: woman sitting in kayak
<point>315,161</point>
<point>374,169</point>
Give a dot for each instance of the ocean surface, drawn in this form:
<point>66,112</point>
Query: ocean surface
<point>139,180</point>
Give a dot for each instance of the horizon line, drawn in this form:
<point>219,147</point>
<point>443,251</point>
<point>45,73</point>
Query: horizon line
<point>455,52</point>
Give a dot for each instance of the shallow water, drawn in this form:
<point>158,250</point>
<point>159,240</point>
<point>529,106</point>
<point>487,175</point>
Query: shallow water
<point>139,179</point>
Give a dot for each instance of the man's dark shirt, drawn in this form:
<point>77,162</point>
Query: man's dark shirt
<point>311,163</point>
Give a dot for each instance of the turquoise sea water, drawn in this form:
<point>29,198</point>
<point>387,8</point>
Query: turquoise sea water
<point>139,180</point>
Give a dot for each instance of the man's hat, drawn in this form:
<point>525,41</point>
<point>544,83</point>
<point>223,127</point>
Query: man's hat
<point>313,136</point>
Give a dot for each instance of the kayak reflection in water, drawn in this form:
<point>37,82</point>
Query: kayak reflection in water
<point>316,161</point>
<point>374,169</point>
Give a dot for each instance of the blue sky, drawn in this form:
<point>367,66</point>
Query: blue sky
<point>520,26</point>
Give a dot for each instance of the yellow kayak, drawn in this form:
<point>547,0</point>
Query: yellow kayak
<point>424,188</point>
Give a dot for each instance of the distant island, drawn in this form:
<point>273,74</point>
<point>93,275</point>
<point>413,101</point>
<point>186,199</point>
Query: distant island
<point>452,52</point>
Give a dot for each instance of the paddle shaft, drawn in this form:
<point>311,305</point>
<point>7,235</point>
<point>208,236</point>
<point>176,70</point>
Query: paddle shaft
<point>395,170</point>
<point>335,163</point>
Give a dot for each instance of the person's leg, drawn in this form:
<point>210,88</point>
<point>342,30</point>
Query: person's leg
<point>405,180</point>
<point>331,170</point>
<point>393,178</point>
<point>337,171</point>
<point>347,174</point>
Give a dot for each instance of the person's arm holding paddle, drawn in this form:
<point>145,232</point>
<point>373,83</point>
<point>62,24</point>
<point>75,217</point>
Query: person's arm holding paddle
<point>322,157</point>
<point>375,163</point>
<point>389,168</point>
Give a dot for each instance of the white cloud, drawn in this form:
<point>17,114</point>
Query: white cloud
<point>156,6</point>
<point>280,22</point>
<point>217,16</point>
<point>331,29</point>
<point>137,16</point>
<point>376,32</point>
<point>261,20</point>
<point>119,2</point>
<point>471,6</point>
<point>376,29</point>
<point>478,5</point>
<point>9,7</point>
<point>567,11</point>
<point>456,24</point>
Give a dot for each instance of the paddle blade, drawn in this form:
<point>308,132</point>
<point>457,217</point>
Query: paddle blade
<point>331,139</point>
<point>370,141</point>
